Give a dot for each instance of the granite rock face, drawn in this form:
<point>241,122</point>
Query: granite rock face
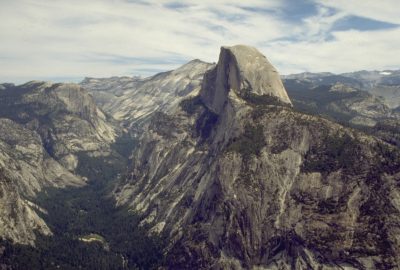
<point>246,182</point>
<point>25,169</point>
<point>133,100</point>
<point>223,165</point>
<point>245,71</point>
<point>64,115</point>
<point>43,128</point>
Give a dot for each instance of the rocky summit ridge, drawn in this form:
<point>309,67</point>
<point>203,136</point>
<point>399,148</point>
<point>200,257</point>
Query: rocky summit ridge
<point>238,179</point>
<point>245,71</point>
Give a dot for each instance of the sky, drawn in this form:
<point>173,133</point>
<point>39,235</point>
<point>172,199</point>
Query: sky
<point>67,40</point>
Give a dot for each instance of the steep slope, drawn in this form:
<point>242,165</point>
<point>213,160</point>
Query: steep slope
<point>135,99</point>
<point>105,91</point>
<point>240,181</point>
<point>64,115</point>
<point>235,72</point>
<point>25,169</point>
<point>44,127</point>
<point>391,94</point>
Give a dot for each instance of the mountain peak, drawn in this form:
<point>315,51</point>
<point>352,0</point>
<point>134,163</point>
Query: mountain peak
<point>244,70</point>
<point>192,67</point>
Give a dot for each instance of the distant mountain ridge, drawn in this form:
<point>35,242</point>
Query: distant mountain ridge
<point>384,83</point>
<point>367,100</point>
<point>132,99</point>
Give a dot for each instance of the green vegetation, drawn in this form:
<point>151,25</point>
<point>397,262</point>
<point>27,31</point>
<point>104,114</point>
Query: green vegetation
<point>163,124</point>
<point>59,253</point>
<point>13,107</point>
<point>388,130</point>
<point>124,145</point>
<point>250,143</point>
<point>341,151</point>
<point>388,158</point>
<point>334,153</point>
<point>262,100</point>
<point>75,213</point>
<point>336,116</point>
<point>319,100</point>
<point>331,206</point>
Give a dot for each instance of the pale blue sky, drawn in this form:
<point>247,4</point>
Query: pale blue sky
<point>65,40</point>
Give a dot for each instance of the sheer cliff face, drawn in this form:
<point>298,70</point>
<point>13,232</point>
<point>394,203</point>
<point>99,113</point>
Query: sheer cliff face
<point>64,115</point>
<point>240,180</point>
<point>25,169</point>
<point>43,127</point>
<point>236,73</point>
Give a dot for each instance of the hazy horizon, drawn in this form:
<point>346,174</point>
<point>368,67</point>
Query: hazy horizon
<point>80,79</point>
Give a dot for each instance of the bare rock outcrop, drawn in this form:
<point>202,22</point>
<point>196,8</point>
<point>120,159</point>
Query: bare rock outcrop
<point>240,182</point>
<point>244,70</point>
<point>131,100</point>
<point>43,129</point>
<point>25,169</point>
<point>64,115</point>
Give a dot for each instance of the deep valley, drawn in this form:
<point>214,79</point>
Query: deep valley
<point>208,166</point>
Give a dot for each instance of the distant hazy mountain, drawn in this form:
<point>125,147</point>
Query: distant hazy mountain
<point>356,99</point>
<point>384,83</point>
<point>132,99</point>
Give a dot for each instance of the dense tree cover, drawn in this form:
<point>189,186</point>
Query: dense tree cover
<point>76,212</point>
<point>388,130</point>
<point>262,100</point>
<point>12,107</point>
<point>124,145</point>
<point>309,99</point>
<point>250,142</point>
<point>335,152</point>
<point>341,151</point>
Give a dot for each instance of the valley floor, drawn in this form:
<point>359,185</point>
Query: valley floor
<point>89,232</point>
